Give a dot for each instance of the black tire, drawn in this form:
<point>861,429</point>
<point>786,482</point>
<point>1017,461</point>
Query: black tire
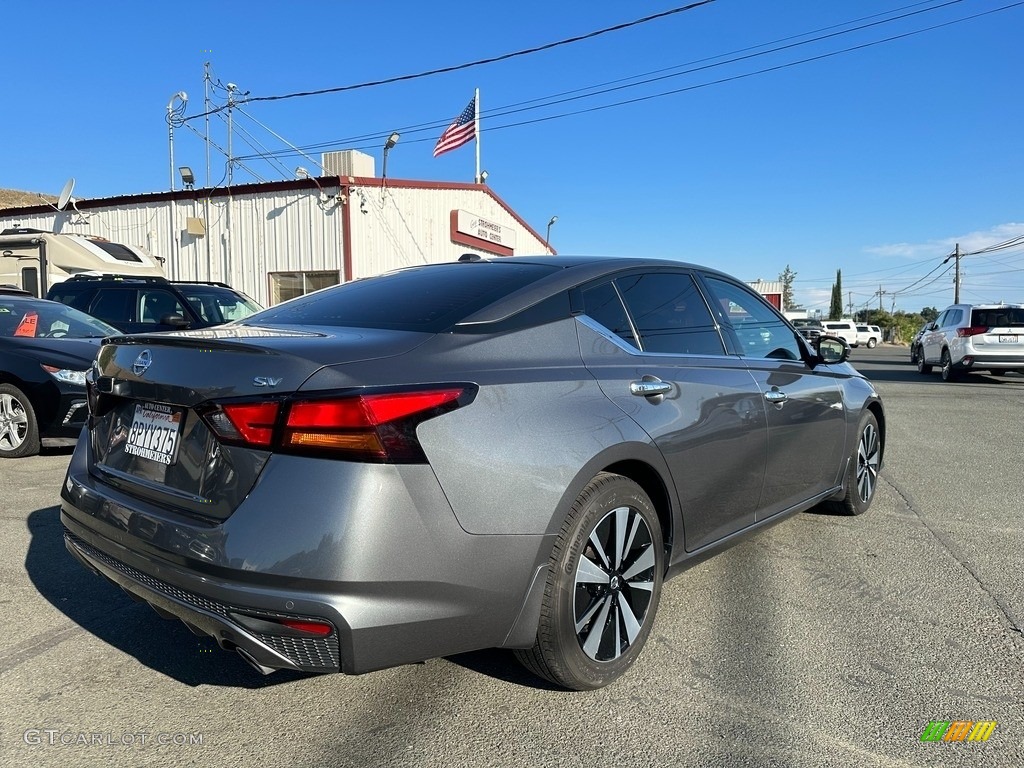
<point>872,343</point>
<point>19,430</point>
<point>862,475</point>
<point>913,354</point>
<point>949,373</point>
<point>598,607</point>
<point>922,366</point>
<point>997,372</point>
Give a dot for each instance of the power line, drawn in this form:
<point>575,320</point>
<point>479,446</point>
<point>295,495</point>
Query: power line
<point>672,92</point>
<point>602,88</point>
<point>478,62</point>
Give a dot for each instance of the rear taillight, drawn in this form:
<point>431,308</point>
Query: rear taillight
<point>974,330</point>
<point>378,427</point>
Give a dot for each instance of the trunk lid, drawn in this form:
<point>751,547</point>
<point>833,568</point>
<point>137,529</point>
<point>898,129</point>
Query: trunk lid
<point>149,440</point>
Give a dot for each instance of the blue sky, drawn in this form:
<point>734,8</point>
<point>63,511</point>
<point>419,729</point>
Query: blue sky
<point>874,161</point>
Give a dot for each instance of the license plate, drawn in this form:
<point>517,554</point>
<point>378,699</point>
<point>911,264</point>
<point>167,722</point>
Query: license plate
<point>1007,338</point>
<point>155,433</point>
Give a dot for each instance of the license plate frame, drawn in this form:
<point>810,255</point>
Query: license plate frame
<point>1007,338</point>
<point>155,433</point>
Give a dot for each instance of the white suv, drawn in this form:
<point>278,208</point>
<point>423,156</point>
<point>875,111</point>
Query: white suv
<point>844,329</point>
<point>970,337</point>
<point>869,335</point>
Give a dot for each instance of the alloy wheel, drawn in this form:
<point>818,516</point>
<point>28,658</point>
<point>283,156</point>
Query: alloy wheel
<point>13,423</point>
<point>614,584</point>
<point>868,459</point>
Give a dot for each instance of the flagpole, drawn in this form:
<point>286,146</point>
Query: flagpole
<point>476,130</point>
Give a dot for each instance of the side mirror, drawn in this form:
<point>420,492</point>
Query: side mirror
<point>174,320</point>
<point>832,349</point>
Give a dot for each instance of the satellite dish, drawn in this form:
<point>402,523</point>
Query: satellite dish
<point>65,195</point>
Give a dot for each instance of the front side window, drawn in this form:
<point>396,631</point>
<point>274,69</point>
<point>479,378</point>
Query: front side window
<point>216,305</point>
<point>154,305</point>
<point>760,333</point>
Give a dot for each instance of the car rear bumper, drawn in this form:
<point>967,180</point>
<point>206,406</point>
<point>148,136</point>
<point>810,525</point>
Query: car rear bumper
<point>374,551</point>
<point>1009,362</point>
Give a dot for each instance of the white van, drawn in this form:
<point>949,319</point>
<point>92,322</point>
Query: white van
<point>34,260</point>
<point>844,329</point>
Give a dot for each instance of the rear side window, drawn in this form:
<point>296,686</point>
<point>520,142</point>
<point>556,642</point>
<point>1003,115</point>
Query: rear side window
<point>602,304</point>
<point>428,299</point>
<point>77,299</point>
<point>114,306</point>
<point>670,314</point>
<point>952,317</point>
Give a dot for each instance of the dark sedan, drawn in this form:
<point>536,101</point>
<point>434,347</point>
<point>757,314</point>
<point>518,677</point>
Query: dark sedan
<point>503,453</point>
<point>45,349</point>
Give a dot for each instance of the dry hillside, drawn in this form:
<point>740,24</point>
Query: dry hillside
<point>13,198</point>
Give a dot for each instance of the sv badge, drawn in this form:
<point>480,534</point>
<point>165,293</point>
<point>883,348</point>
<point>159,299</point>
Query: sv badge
<point>266,381</point>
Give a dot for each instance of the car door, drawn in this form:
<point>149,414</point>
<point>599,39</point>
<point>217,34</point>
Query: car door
<point>934,339</point>
<point>664,364</point>
<point>806,415</point>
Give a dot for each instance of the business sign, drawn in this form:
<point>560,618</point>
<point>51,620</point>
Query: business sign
<point>477,232</point>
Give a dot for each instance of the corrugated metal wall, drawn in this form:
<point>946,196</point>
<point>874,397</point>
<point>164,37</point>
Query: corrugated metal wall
<point>250,235</point>
<point>401,226</point>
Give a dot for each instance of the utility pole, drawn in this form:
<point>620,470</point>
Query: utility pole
<point>882,293</point>
<point>956,274</point>
<point>850,305</point>
<point>956,284</point>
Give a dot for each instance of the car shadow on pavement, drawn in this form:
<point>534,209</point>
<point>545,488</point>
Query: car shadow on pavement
<point>501,664</point>
<point>109,614</point>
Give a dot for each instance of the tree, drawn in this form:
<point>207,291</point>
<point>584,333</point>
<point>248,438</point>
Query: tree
<point>836,310</point>
<point>787,277</point>
<point>928,314</point>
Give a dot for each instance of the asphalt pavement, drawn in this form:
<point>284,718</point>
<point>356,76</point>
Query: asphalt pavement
<point>824,641</point>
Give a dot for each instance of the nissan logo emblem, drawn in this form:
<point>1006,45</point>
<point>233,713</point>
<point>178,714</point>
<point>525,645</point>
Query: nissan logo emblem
<point>142,362</point>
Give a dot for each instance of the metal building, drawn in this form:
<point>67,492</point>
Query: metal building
<point>278,240</point>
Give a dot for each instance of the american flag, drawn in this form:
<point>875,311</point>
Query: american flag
<point>462,131</point>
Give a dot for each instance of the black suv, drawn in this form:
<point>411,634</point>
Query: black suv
<point>808,328</point>
<point>146,304</point>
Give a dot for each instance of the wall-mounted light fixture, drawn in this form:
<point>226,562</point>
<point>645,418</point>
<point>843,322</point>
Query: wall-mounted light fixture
<point>187,177</point>
<point>322,197</point>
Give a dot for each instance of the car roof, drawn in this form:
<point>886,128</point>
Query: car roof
<point>569,272</point>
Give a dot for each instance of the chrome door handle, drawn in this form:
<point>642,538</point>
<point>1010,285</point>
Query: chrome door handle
<point>776,397</point>
<point>649,386</point>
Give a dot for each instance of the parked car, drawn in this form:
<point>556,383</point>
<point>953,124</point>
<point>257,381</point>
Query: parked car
<point>844,329</point>
<point>493,453</point>
<point>45,349</point>
<point>915,342</point>
<point>972,337</point>
<point>145,304</point>
<point>869,335</point>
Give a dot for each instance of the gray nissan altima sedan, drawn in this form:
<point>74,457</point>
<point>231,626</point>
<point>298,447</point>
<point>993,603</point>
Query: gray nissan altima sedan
<point>508,452</point>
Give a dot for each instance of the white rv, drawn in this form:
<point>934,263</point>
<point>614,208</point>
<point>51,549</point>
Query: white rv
<point>35,260</point>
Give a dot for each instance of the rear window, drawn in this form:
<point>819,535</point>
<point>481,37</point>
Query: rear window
<point>999,317</point>
<point>429,299</point>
